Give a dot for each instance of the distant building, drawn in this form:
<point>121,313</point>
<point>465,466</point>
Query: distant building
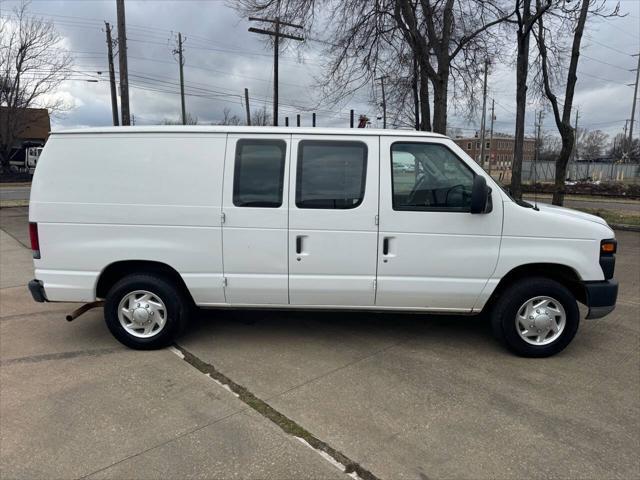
<point>34,126</point>
<point>499,152</point>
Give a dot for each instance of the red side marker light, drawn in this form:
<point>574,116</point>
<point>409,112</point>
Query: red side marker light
<point>35,241</point>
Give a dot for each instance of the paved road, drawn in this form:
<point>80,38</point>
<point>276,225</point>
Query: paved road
<point>14,193</point>
<point>402,396</point>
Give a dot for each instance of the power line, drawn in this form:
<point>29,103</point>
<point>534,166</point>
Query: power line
<point>97,24</point>
<point>609,47</point>
<point>603,62</point>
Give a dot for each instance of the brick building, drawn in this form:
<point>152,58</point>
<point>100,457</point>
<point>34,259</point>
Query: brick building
<point>32,125</point>
<point>500,151</point>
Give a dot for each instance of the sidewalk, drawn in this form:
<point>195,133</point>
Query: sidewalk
<point>76,403</point>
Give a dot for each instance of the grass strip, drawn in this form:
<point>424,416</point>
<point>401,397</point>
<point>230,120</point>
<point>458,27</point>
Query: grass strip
<point>614,217</point>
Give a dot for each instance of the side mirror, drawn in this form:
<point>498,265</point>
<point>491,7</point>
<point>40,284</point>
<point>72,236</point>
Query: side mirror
<point>480,195</point>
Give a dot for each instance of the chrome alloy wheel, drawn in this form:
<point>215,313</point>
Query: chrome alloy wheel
<point>540,320</point>
<point>142,314</point>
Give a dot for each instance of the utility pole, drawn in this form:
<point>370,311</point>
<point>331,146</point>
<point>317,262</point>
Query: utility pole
<point>313,119</point>
<point>625,141</point>
<point>122,58</point>
<point>112,77</point>
<point>297,120</point>
<point>484,115</point>
<point>351,118</point>
<point>538,136</point>
<point>181,63</point>
<point>246,105</point>
<point>493,102</point>
<point>635,96</point>
<point>277,34</point>
<point>536,157</point>
<point>384,102</point>
<point>574,153</point>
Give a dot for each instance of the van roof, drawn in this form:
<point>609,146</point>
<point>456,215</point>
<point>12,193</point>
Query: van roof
<point>248,130</point>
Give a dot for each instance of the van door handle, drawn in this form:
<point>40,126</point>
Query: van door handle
<point>385,246</point>
<point>299,244</point>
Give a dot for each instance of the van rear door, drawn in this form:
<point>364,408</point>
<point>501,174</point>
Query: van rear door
<point>332,220</point>
<point>254,230</point>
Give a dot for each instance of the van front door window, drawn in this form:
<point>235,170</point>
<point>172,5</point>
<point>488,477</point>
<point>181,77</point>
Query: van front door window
<point>429,177</point>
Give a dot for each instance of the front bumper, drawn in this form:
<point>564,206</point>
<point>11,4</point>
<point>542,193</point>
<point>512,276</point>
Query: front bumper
<point>36,288</point>
<point>601,297</point>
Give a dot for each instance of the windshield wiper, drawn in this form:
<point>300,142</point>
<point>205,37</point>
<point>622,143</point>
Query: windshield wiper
<point>525,204</point>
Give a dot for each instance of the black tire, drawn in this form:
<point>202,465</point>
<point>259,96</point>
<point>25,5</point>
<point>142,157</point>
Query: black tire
<point>176,304</point>
<point>503,315</point>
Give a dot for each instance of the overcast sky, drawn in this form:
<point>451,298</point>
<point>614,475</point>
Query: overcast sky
<point>222,58</point>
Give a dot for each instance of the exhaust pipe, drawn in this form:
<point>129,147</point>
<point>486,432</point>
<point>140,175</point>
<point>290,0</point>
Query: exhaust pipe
<point>83,309</point>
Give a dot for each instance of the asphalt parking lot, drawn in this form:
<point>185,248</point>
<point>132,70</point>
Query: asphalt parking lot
<point>393,396</point>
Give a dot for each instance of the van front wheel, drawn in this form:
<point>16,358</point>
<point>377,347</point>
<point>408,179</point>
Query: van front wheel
<point>536,317</point>
<point>144,311</point>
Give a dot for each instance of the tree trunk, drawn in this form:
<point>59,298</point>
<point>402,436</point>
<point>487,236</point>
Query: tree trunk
<point>561,166</point>
<point>440,96</point>
<point>567,132</point>
<point>416,92</point>
<point>522,72</point>
<point>425,108</point>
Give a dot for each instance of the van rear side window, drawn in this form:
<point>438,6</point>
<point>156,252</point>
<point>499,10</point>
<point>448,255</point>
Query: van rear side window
<point>258,177</point>
<point>331,174</point>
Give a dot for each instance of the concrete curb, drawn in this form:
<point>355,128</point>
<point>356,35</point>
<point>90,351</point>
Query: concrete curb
<point>14,184</point>
<point>13,203</point>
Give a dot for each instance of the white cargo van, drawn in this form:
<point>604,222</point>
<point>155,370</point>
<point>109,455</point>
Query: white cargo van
<point>156,220</point>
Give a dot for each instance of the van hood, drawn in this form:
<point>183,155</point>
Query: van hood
<point>544,207</point>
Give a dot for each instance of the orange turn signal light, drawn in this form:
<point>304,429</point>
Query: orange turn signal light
<point>608,246</point>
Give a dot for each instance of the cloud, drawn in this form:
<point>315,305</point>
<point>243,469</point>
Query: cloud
<point>222,58</point>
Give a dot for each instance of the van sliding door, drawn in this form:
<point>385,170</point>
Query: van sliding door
<point>254,231</point>
<point>332,220</point>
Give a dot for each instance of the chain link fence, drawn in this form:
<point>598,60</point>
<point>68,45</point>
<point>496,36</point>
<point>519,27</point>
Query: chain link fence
<point>604,172</point>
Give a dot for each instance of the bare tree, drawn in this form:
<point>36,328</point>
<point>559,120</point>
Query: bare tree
<point>550,146</point>
<point>592,143</point>
<point>442,32</point>
<point>365,39</point>
<point>575,17</point>
<point>525,21</point>
<point>32,67</point>
<point>621,150</point>
<point>229,118</point>
<point>189,120</point>
<point>261,117</point>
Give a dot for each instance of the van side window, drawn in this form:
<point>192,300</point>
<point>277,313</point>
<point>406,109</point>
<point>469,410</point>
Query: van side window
<point>429,177</point>
<point>331,174</point>
<point>258,177</point>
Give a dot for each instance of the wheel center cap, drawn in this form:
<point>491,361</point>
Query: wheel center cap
<point>542,321</point>
<point>140,315</point>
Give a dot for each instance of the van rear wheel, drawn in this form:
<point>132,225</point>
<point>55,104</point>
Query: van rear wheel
<point>536,317</point>
<point>145,311</point>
